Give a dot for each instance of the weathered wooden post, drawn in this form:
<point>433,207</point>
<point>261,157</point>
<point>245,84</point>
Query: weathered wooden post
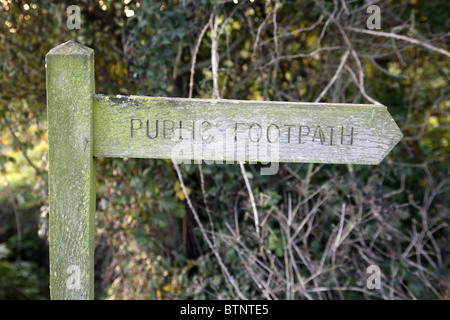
<point>72,170</point>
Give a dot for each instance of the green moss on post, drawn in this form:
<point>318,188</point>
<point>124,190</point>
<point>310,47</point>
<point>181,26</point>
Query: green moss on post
<point>72,170</point>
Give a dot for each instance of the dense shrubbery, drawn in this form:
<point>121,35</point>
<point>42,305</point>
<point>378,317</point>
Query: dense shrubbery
<point>321,225</point>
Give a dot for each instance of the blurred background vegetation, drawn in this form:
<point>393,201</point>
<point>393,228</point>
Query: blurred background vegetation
<point>321,225</point>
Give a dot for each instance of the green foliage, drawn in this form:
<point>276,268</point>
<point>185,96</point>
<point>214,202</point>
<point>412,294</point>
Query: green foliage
<point>155,34</point>
<point>23,262</point>
<point>18,280</point>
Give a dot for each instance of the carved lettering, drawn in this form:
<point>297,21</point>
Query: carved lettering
<point>347,135</point>
<point>300,135</point>
<point>209,138</point>
<point>331,136</point>
<point>165,128</point>
<point>255,133</point>
<point>289,131</point>
<point>132,126</point>
<point>156,130</point>
<point>259,134</point>
<point>321,135</point>
<point>268,133</point>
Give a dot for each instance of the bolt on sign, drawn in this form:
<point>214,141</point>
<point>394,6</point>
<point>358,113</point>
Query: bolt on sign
<point>83,125</point>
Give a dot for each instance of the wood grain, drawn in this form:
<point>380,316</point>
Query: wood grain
<point>72,170</point>
<point>231,130</point>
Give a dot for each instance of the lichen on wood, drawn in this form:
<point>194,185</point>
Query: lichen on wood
<point>233,130</point>
<point>72,170</point>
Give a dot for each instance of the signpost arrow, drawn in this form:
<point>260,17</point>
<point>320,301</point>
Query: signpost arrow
<point>231,130</point>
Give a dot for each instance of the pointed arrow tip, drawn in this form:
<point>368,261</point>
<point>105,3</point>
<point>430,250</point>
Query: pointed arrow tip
<point>396,137</point>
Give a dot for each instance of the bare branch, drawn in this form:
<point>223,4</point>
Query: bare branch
<point>400,37</point>
<point>214,55</point>
<point>194,56</point>
<point>205,236</point>
<point>8,125</point>
<point>336,75</point>
<point>252,198</point>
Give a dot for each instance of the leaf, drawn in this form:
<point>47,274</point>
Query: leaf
<point>103,204</point>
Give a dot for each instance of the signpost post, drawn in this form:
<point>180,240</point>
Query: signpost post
<point>83,125</point>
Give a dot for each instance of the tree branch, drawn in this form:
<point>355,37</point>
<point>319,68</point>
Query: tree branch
<point>400,37</point>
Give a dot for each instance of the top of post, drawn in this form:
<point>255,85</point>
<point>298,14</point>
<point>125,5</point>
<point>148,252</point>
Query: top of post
<point>70,48</point>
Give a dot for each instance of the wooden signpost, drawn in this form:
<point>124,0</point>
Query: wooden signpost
<point>83,125</point>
